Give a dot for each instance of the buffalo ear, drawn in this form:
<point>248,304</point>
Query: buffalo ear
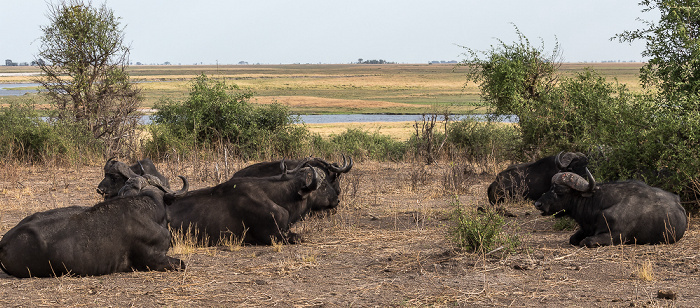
<point>125,170</point>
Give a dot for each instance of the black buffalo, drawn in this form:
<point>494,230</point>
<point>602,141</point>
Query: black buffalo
<point>254,209</point>
<point>628,212</point>
<point>116,174</point>
<point>531,180</point>
<point>325,197</point>
<point>118,235</point>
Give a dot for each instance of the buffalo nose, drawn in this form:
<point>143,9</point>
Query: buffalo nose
<point>538,204</point>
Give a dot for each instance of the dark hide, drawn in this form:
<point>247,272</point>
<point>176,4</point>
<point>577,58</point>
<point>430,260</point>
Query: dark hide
<point>122,234</point>
<point>614,213</point>
<point>260,208</point>
<point>116,174</point>
<point>531,180</point>
<point>325,197</point>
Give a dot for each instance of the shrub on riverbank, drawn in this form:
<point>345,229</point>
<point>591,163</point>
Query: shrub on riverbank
<point>28,137</point>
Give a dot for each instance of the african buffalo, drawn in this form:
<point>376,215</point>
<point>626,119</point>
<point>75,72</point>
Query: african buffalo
<point>116,174</point>
<point>325,197</point>
<point>628,212</point>
<point>118,235</point>
<point>532,179</point>
<point>257,210</point>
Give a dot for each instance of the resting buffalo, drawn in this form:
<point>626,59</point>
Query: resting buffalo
<point>629,212</point>
<point>532,179</point>
<point>258,210</point>
<point>118,235</point>
<point>116,174</point>
<point>325,197</point>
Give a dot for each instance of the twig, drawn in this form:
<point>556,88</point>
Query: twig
<point>569,255</point>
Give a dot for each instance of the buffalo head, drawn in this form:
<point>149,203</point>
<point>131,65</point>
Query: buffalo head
<point>565,185</point>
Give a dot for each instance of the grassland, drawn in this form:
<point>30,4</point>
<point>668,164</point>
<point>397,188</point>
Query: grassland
<point>338,88</point>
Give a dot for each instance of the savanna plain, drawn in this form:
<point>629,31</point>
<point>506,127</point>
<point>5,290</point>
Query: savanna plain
<point>387,244</point>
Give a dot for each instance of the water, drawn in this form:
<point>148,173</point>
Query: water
<point>346,118</point>
<point>9,89</point>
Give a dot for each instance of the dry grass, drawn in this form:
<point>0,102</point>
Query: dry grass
<point>645,271</point>
<point>385,246</point>
<point>398,130</point>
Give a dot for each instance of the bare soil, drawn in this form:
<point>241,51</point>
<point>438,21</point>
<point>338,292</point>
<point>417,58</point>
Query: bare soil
<point>387,245</point>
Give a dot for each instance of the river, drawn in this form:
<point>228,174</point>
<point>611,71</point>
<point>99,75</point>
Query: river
<point>13,89</point>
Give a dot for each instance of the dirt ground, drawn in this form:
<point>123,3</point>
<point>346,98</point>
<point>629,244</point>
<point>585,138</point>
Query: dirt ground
<point>386,246</point>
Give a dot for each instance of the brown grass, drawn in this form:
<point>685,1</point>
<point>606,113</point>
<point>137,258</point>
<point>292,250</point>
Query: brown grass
<point>397,130</point>
<point>385,246</point>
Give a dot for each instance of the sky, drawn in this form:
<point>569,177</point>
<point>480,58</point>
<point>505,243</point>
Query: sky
<point>335,32</point>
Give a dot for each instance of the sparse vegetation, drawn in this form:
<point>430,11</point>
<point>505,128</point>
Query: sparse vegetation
<point>564,223</point>
<point>479,231</point>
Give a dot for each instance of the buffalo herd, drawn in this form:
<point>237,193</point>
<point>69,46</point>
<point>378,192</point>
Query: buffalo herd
<point>131,229</point>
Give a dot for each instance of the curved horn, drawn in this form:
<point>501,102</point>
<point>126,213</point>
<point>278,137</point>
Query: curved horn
<point>557,161</point>
<point>315,182</point>
<point>287,171</point>
<point>157,183</point>
<point>575,181</point>
<point>591,181</point>
<point>347,164</point>
<point>143,171</point>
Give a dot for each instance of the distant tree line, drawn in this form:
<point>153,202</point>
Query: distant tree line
<point>380,61</point>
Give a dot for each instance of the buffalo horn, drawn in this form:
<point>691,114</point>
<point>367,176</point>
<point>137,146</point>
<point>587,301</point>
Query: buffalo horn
<point>564,159</point>
<point>283,165</point>
<point>347,164</point>
<point>315,181</point>
<point>157,183</point>
<point>575,181</point>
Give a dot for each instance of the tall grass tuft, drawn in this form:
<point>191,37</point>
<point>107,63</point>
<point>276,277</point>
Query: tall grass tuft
<point>479,231</point>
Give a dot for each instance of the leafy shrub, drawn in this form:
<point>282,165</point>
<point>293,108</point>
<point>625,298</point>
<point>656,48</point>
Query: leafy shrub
<point>216,112</point>
<point>564,223</point>
<point>583,112</point>
<point>26,136</point>
<point>479,141</point>
<point>361,144</point>
<point>478,231</point>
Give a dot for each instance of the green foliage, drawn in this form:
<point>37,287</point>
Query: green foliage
<point>361,144</point>
<point>479,141</point>
<point>479,231</point>
<point>510,77</point>
<point>672,46</point>
<point>83,63</point>
<point>666,151</point>
<point>581,113</point>
<point>27,137</point>
<point>215,112</point>
<point>564,223</point>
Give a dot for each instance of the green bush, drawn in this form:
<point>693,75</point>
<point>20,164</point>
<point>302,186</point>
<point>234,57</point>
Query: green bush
<point>582,112</point>
<point>564,223</point>
<point>27,136</point>
<point>216,113</point>
<point>478,141</point>
<point>479,231</point>
<point>361,144</point>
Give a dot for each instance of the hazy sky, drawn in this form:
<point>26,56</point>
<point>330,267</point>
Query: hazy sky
<point>330,31</point>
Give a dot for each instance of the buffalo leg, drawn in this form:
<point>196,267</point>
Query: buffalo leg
<point>577,237</point>
<point>601,239</point>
